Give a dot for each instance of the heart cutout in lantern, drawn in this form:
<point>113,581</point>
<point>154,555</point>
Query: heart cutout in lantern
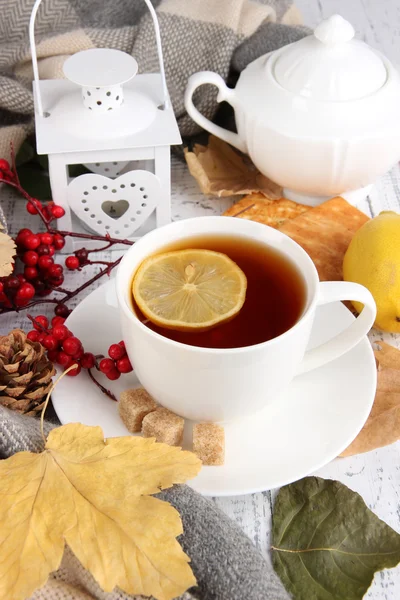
<point>89,193</point>
<point>115,210</point>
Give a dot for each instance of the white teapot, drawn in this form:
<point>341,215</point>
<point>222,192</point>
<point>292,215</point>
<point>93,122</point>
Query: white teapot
<point>320,117</point>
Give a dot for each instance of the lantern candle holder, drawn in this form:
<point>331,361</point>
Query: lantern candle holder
<point>120,126</point>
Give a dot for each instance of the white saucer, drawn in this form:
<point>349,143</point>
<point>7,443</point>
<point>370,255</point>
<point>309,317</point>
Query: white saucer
<point>318,418</point>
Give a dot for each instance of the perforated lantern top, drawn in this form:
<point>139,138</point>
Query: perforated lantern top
<point>330,65</point>
<point>102,104</point>
<point>101,73</point>
<point>100,67</point>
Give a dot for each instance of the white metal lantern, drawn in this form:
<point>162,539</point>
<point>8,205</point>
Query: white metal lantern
<point>120,126</point>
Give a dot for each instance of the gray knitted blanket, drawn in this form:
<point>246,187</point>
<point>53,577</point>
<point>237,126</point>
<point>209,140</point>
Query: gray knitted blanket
<point>218,35</point>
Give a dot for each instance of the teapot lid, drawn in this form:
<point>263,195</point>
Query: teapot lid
<point>330,65</point>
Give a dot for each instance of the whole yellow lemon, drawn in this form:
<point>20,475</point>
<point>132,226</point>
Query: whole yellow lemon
<point>373,259</point>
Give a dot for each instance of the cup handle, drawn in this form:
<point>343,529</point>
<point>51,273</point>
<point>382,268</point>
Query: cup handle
<point>224,94</point>
<point>334,291</point>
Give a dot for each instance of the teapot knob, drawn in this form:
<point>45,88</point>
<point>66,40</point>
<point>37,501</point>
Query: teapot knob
<point>334,30</point>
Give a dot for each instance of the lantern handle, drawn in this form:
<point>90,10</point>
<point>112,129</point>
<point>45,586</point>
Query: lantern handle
<point>166,103</point>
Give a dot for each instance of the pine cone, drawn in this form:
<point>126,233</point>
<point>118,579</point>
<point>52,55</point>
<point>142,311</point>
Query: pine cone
<point>25,373</point>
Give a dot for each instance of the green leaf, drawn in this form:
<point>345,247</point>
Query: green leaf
<point>35,181</point>
<point>327,544</point>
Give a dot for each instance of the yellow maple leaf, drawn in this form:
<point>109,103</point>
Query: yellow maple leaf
<point>7,252</point>
<point>92,494</point>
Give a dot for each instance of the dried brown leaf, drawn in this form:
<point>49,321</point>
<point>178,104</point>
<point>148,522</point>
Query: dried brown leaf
<point>221,171</point>
<point>325,233</point>
<point>383,425</point>
<point>274,213</point>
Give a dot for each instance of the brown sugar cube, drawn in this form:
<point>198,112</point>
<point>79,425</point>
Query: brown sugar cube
<point>133,406</point>
<point>209,443</point>
<point>163,425</point>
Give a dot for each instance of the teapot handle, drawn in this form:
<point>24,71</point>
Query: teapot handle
<point>224,94</point>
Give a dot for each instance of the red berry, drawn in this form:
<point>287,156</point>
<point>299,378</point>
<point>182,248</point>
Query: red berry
<point>82,255</point>
<point>30,258</point>
<point>1,287</point>
<point>6,175</point>
<point>21,278</point>
<point>21,302</point>
<point>30,272</point>
<point>33,336</point>
<point>56,272</point>
<point>22,234</point>
<point>51,250</point>
<point>32,241</point>
<point>52,355</point>
<point>113,374</point>
<point>26,288</point>
<point>106,365</point>
<point>72,263</point>
<point>45,262</point>
<point>64,359</point>
<point>25,292</point>
<point>71,345</point>
<point>57,282</point>
<point>39,286</point>
<point>124,365</point>
<point>60,332</point>
<point>78,355</point>
<point>76,371</point>
<point>43,249</point>
<point>57,211</point>
<point>4,301</point>
<point>57,321</point>
<point>61,310</point>
<point>46,238</point>
<point>58,241</point>
<point>45,291</point>
<point>41,322</point>
<point>122,344</point>
<point>46,214</point>
<point>50,342</point>
<point>88,360</point>
<point>12,282</point>
<point>32,207</point>
<point>116,352</point>
<point>4,165</point>
<point>41,337</point>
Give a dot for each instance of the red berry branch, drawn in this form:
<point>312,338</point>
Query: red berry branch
<point>37,278</point>
<point>66,350</point>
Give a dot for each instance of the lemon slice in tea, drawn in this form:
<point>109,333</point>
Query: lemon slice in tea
<point>189,290</point>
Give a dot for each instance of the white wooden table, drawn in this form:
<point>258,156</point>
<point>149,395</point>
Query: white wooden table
<point>375,475</point>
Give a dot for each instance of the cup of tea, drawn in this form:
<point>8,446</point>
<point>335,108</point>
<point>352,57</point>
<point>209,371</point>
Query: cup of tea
<point>240,366</point>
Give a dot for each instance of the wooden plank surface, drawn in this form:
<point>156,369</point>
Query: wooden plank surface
<point>376,475</point>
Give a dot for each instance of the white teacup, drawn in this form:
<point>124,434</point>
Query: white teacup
<point>209,384</point>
